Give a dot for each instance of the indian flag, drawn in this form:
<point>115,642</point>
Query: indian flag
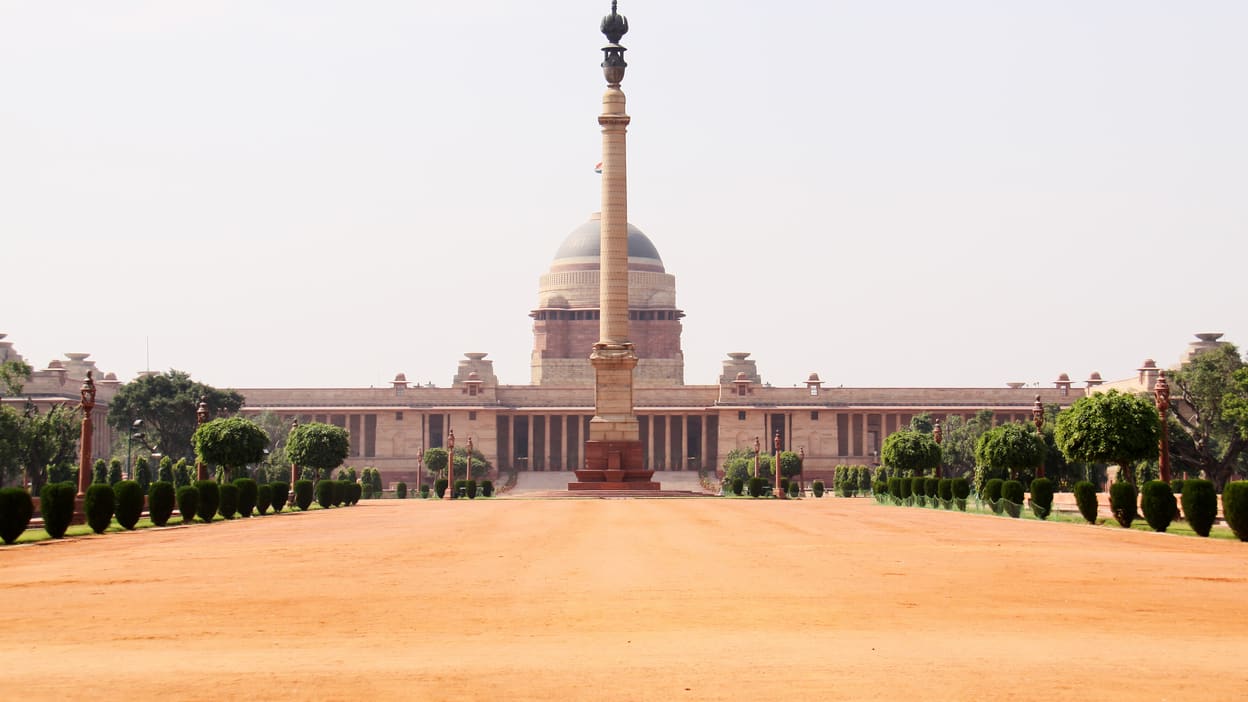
<point>598,168</point>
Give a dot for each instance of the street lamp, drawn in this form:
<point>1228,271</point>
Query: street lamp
<point>420,466</point>
<point>450,465</point>
<point>84,442</point>
<point>801,467</point>
<point>775,442</point>
<point>294,467</point>
<point>1161,393</point>
<point>938,435</point>
<point>1037,416</point>
<point>134,434</point>
<point>468,462</point>
<point>757,449</point>
<point>201,416</point>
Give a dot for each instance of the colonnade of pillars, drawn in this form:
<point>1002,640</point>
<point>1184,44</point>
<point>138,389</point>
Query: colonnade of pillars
<point>556,441</point>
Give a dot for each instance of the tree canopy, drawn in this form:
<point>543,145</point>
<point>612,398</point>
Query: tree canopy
<point>230,442</point>
<point>167,402</point>
<point>960,436</point>
<point>1011,447</point>
<point>318,446</point>
<point>1109,427</point>
<point>41,445</point>
<point>1207,393</point>
<point>911,452</point>
<point>790,464</point>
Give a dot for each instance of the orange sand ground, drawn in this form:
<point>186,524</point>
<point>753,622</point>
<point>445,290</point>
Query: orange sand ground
<point>627,599</point>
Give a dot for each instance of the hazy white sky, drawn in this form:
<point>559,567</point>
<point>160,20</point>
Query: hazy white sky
<point>322,193</point>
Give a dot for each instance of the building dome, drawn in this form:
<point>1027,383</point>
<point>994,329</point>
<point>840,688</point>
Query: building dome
<point>581,249</point>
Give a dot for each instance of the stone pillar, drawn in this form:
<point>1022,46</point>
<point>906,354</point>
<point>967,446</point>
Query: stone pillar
<point>550,439</point>
<point>84,449</point>
<point>866,435</point>
<point>532,457</point>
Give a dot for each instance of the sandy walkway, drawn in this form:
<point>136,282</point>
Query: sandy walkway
<point>637,600</point>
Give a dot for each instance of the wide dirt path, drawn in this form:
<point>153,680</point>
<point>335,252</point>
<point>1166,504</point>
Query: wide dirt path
<point>627,599</point>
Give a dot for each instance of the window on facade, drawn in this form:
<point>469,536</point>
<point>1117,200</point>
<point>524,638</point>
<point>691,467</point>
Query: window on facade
<point>741,416</point>
<point>472,416</point>
<point>398,416</point>
<point>814,390</point>
<point>741,390</point>
<point>814,416</point>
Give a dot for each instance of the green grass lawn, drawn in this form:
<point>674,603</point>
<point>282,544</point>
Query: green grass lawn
<point>35,534</point>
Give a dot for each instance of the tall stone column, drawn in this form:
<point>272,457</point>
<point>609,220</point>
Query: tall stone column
<point>87,394</point>
<point>613,457</point>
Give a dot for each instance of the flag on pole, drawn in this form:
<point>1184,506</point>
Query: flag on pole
<point>598,168</point>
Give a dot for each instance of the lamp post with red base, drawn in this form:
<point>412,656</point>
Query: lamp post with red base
<point>938,435</point>
<point>1037,416</point>
<point>84,447</point>
<point>450,465</point>
<point>468,463</point>
<point>294,467</point>
<point>757,450</point>
<point>201,416</point>
<point>775,444</point>
<point>1161,394</point>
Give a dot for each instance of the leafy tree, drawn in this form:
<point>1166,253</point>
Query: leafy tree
<point>911,452</point>
<point>739,463</point>
<point>1208,394</point>
<point>320,447</point>
<point>167,403</point>
<point>957,447</point>
<point>38,444</point>
<point>480,467</point>
<point>230,442</point>
<point>790,464</point>
<point>923,423</point>
<point>10,444</point>
<point>1109,427</point>
<point>13,376</point>
<point>276,465</point>
<point>1011,448</point>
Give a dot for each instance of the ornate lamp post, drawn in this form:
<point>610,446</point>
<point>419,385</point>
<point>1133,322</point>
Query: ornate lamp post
<point>450,465</point>
<point>938,435</point>
<point>134,434</point>
<point>757,449</point>
<point>1037,416</point>
<point>201,416</point>
<point>294,467</point>
<point>84,443</point>
<point>775,443</point>
<point>1161,393</point>
<point>420,466</point>
<point>468,462</point>
<point>801,467</point>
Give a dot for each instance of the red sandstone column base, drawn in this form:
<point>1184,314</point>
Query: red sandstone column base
<point>613,465</point>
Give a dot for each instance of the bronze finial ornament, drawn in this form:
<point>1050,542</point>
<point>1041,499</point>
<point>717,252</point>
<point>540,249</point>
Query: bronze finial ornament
<point>614,26</point>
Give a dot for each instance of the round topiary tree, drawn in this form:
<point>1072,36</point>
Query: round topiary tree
<point>231,442</point>
<point>188,503</point>
<point>325,493</point>
<point>756,486</point>
<point>228,505</point>
<point>961,491</point>
<point>209,499</point>
<point>1158,504</point>
<point>817,488</point>
<point>1042,497</point>
<point>248,494</point>
<point>129,505</point>
<point>264,498</point>
<point>56,503</point>
<point>1122,502</point>
<point>160,502</point>
<point>439,487</point>
<point>16,509</point>
<point>320,447</point>
<point>341,489</point>
<point>1200,504</point>
<point>1012,497</point>
<point>1109,427</point>
<point>303,494</point>
<point>1085,499</point>
<point>992,494</point>
<point>1010,448</point>
<point>400,490</point>
<point>908,450</point>
<point>795,489</point>
<point>1235,507</point>
<point>738,486</point>
<point>281,493</point>
<point>99,504</point>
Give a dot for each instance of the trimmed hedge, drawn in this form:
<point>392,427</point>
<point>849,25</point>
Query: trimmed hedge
<point>795,489</point>
<point>264,498</point>
<point>248,494</point>
<point>1085,498</point>
<point>209,499</point>
<point>303,494</point>
<point>471,487</point>
<point>424,491</point>
<point>188,503</point>
<point>756,486</point>
<point>281,493</point>
<point>931,488</point>
<point>355,491</point>
<point>1200,505</point>
<point>1122,501</point>
<point>1042,497</point>
<point>16,509</point>
<point>487,488</point>
<point>1235,507</point>
<point>325,493</point>
<point>342,492</point>
<point>992,494</point>
<point>1013,496</point>
<point>1158,504</point>
<point>917,487</point>
<point>228,507</point>
<point>1177,486</point>
<point>129,506</point>
<point>905,487</point>
<point>400,491</point>
<point>817,488</point>
<point>160,502</point>
<point>56,503</point>
<point>99,505</point>
<point>961,488</point>
<point>439,487</point>
<point>944,489</point>
<point>738,486</point>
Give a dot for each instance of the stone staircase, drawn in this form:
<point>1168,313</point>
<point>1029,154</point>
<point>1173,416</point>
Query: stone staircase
<point>554,484</point>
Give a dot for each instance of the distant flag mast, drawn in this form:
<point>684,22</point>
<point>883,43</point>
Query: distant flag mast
<point>598,168</point>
